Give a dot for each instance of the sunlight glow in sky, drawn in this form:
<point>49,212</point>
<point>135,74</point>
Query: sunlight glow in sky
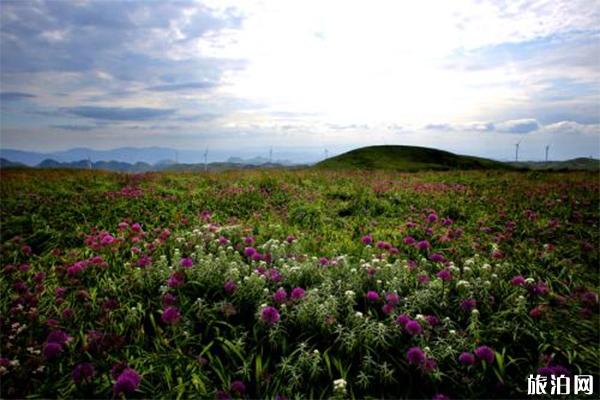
<point>473,77</point>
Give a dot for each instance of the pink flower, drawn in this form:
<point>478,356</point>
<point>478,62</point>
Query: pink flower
<point>444,275</point>
<point>229,287</point>
<point>270,315</point>
<point>387,308</point>
<point>423,245</point>
<point>372,296</point>
<point>485,353</point>
<point>392,298</point>
<point>127,382</point>
<point>367,239</point>
<point>280,295</point>
<point>413,328</point>
<point>176,279</point>
<point>186,262</point>
<point>517,280</point>
<point>171,315</point>
<point>297,293</point>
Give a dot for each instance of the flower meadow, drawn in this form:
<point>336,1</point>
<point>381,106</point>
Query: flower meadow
<point>296,284</point>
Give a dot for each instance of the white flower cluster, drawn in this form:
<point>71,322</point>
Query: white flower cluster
<point>339,385</point>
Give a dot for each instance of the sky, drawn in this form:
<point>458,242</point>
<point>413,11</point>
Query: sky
<point>469,76</point>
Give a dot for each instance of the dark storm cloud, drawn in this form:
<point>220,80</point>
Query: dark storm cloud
<point>12,96</point>
<point>120,113</point>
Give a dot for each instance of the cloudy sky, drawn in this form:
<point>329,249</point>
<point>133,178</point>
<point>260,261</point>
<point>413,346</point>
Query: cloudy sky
<point>471,76</point>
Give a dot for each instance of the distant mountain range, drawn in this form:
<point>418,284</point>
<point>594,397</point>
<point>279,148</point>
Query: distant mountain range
<point>397,158</point>
<point>119,166</point>
<point>149,155</point>
<point>582,163</point>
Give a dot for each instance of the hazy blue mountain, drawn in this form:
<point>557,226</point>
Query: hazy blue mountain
<point>154,155</point>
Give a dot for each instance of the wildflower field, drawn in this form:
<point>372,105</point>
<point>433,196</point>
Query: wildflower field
<point>296,284</point>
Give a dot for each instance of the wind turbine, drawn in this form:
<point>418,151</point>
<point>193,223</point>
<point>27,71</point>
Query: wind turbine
<point>517,150</point>
<point>206,159</point>
<point>547,148</point>
<point>271,155</point>
<point>326,154</point>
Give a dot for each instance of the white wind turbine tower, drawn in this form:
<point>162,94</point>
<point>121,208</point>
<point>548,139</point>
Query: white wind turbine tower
<point>206,159</point>
<point>517,150</point>
<point>547,149</point>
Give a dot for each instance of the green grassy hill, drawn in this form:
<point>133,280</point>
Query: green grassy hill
<point>407,158</point>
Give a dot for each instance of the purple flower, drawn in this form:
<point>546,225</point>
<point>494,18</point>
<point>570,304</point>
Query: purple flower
<point>387,308</point>
<point>372,296</point>
<point>297,293</point>
<point>423,279</point>
<point>222,395</point>
<point>539,289</point>
<point>223,240</point>
<point>440,396</point>
<point>270,315</point>
<point>413,328</point>
<point>83,372</point>
<point>229,287</point>
<point>249,240</point>
<point>392,298</point>
<point>280,295</point>
<point>144,261</point>
<point>257,256</point>
<point>402,320</point>
<point>237,387</point>
<point>517,280</point>
<point>368,239</point>
<point>52,350</point>
<point>250,251</point>
<point>589,298</point>
<point>127,382</point>
<point>169,300</point>
<point>485,353</point>
<point>423,245</point>
<point>409,240</point>
<point>432,217</point>
<point>432,320</point>
<point>176,279</point>
<point>444,275</point>
<point>290,239</point>
<point>59,337</point>
<point>429,364</point>
<point>556,370</point>
<point>186,262</point>
<point>171,315</point>
<point>466,358</point>
<point>324,261</point>
<point>468,304</point>
<point>415,355</point>
<point>437,257</point>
